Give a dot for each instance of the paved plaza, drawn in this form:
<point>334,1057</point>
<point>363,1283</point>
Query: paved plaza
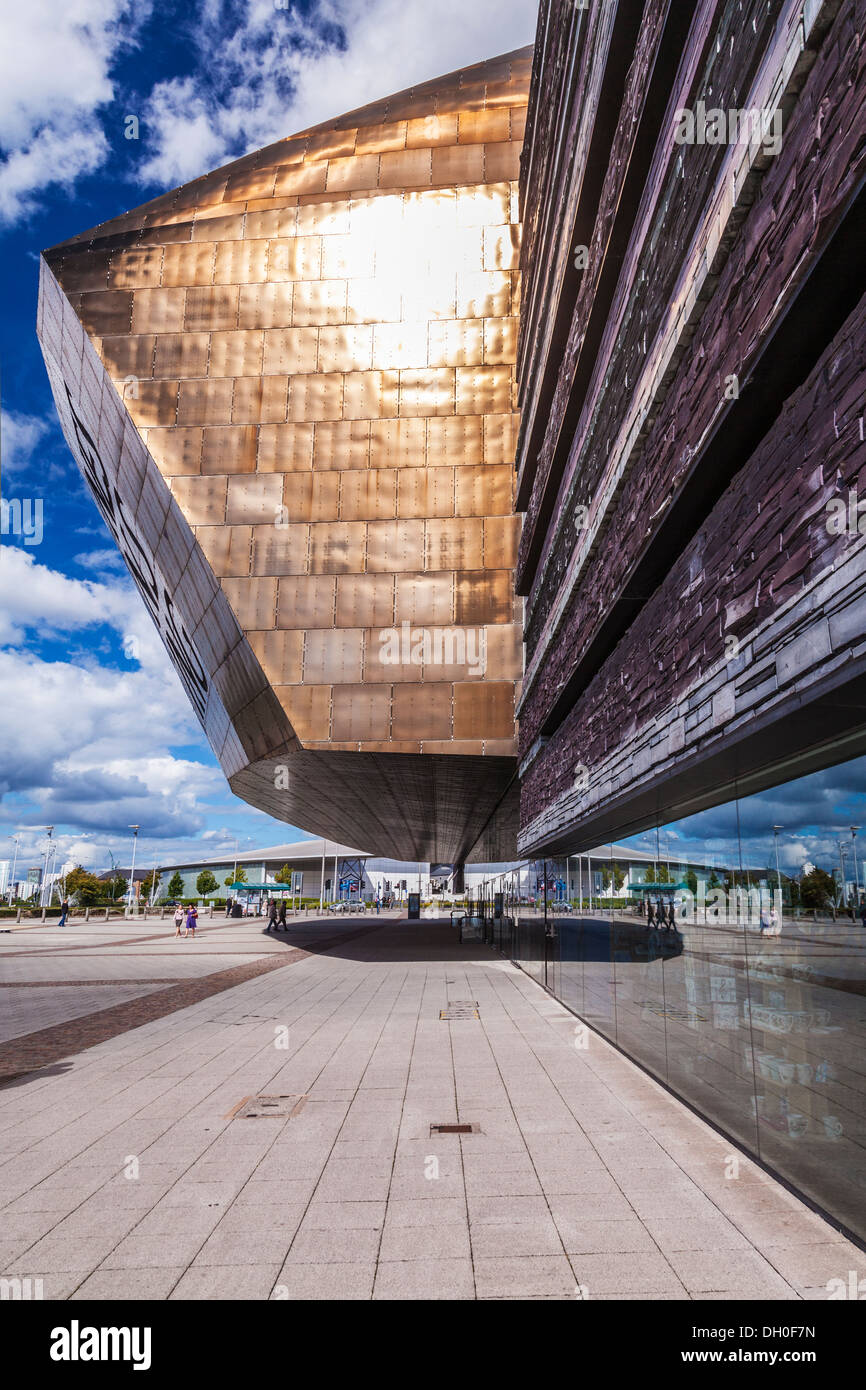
<point>137,1162</point>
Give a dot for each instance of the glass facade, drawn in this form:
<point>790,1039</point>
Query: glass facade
<point>728,959</point>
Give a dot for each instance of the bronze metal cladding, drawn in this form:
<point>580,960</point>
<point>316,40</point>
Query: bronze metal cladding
<point>290,386</point>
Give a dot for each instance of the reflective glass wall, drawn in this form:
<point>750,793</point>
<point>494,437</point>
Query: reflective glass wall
<point>727,954</point>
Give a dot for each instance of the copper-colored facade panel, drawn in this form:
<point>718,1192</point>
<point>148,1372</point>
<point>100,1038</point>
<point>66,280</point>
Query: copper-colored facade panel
<point>202,500</point>
<point>454,545</point>
<point>338,548</point>
<point>348,348</point>
<point>308,708</point>
<point>229,449</point>
<point>293,351</point>
<point>261,400</point>
<point>458,440</point>
<point>135,267</point>
<point>398,443</point>
<point>397,345</point>
<point>458,164</point>
<point>307,601</point>
<point>316,397</point>
<point>130,356</point>
<point>422,711</point>
<point>241,262</point>
<point>226,549</point>
<point>333,656</point>
<point>190,264</point>
<point>341,444</point>
<point>176,452</point>
<point>180,354</point>
<point>296,258</point>
<point>361,713</point>
<point>368,496</point>
<point>316,348</point>
<point>424,598</point>
<point>253,601</point>
<point>214,307</point>
<point>280,653</point>
<point>264,306</point>
<point>483,709</point>
<point>301,178</point>
<point>280,548</point>
<point>393,546</point>
<point>370,395</point>
<point>257,499</point>
<point>365,600</point>
<point>428,131</point>
<point>236,353</point>
<point>285,448</point>
<point>425,492</point>
<point>319,302</point>
<point>354,172</point>
<point>202,402</point>
<point>427,392</point>
<point>485,597</point>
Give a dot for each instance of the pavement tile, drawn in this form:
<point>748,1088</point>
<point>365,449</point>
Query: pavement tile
<point>326,1281</point>
<point>531,1276</point>
<point>246,1282</point>
<point>422,1279</point>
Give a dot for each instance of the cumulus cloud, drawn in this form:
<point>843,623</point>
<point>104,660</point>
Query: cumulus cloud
<point>266,72</point>
<point>20,435</point>
<point>55,75</point>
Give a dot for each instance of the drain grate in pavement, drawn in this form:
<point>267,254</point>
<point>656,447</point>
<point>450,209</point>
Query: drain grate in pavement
<point>271,1107</point>
<point>455,1129</point>
<point>460,1008</point>
<point>679,1015</point>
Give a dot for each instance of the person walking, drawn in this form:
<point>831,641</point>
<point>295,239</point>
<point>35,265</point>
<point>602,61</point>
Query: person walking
<point>64,913</point>
<point>378,904</point>
<point>272,915</point>
<point>284,926</point>
<point>178,920</point>
<point>191,919</point>
<point>765,921</point>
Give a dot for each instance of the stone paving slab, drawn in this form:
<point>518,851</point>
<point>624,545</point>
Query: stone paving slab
<point>128,1170</point>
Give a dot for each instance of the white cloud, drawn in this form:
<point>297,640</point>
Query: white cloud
<point>20,435</point>
<point>55,66</point>
<point>267,72</point>
<point>101,560</point>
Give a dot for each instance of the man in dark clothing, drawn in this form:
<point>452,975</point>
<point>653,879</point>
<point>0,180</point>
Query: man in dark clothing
<point>283,923</point>
<point>272,915</point>
<point>64,913</point>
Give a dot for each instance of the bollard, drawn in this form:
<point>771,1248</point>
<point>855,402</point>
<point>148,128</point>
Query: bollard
<point>44,913</point>
<point>106,914</point>
<point>18,915</point>
<point>87,914</point>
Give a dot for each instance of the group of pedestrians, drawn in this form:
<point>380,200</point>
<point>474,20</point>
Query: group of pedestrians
<point>185,919</point>
<point>277,916</point>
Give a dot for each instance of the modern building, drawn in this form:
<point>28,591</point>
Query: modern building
<point>290,387</point>
<point>293,388</point>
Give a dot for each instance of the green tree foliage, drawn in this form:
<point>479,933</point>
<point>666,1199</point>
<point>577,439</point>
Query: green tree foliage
<point>206,883</point>
<point>691,879</point>
<point>240,876</point>
<point>817,889</point>
<point>116,887</point>
<point>84,887</point>
<point>284,875</point>
<point>175,885</point>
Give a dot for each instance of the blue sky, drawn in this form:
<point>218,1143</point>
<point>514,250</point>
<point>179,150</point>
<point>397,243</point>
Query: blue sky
<point>92,740</point>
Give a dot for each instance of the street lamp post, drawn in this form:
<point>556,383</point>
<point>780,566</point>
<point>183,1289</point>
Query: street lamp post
<point>16,837</point>
<point>776,829</point>
<point>50,829</point>
<point>842,894</point>
<point>854,829</point>
<point>131,890</point>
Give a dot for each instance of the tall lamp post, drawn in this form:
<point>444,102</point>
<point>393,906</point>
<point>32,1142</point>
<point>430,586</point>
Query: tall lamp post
<point>50,829</point>
<point>131,890</point>
<point>776,829</point>
<point>854,829</point>
<point>17,838</point>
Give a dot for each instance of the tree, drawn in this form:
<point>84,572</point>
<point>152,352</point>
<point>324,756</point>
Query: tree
<point>664,874</point>
<point>116,886</point>
<point>240,876</point>
<point>284,875</point>
<point>206,883</point>
<point>692,882</point>
<point>817,889</point>
<point>613,875</point>
<point>175,885</point>
<point>85,887</point>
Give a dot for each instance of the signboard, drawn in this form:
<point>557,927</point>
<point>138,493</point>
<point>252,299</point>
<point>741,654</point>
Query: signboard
<point>297,882</point>
<point>414,912</point>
